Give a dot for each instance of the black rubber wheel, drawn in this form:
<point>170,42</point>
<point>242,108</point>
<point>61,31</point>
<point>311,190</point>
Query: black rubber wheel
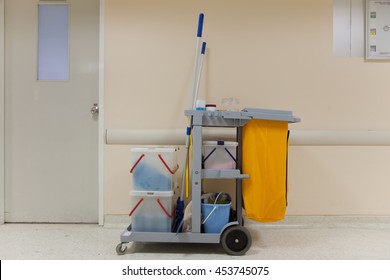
<point>120,249</point>
<point>236,240</point>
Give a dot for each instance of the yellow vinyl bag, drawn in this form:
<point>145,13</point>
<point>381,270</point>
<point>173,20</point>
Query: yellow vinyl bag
<point>264,158</point>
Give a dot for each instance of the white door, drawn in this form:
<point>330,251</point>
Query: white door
<point>51,137</point>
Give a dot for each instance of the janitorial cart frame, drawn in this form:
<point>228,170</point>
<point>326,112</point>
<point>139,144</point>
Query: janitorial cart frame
<point>234,237</point>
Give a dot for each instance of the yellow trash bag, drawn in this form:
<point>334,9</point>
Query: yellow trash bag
<point>264,158</point>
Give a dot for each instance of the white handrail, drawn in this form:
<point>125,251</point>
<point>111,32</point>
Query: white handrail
<point>297,137</point>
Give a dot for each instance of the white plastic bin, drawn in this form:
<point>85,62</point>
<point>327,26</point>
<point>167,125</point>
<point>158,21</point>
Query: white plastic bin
<point>151,211</point>
<point>153,169</point>
<point>219,154</point>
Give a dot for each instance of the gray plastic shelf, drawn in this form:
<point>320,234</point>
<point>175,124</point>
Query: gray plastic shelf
<point>269,114</point>
<point>223,174</point>
<point>172,237</point>
<point>238,119</point>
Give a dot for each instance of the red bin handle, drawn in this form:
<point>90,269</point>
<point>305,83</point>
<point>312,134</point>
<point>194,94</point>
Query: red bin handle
<point>166,165</point>
<point>163,208</point>
<point>136,163</point>
<point>136,206</point>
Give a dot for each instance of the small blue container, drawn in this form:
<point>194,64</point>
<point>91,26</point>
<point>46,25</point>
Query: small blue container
<point>215,216</point>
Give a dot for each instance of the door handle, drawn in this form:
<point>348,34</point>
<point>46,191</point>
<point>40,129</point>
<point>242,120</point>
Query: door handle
<point>95,109</point>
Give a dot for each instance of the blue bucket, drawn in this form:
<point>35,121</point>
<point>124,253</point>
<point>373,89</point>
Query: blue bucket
<point>215,216</point>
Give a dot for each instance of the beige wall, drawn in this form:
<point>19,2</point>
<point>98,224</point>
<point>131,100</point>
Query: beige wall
<point>269,54</point>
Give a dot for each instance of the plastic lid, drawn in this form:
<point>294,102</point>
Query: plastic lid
<point>154,150</point>
<point>219,143</point>
<point>152,193</point>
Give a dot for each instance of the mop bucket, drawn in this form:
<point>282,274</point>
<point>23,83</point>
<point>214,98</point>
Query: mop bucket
<point>215,216</point>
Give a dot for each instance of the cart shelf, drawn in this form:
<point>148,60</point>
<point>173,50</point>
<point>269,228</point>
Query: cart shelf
<point>223,174</point>
<point>171,237</point>
<point>240,118</point>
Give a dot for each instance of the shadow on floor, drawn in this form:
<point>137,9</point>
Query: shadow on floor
<point>174,248</point>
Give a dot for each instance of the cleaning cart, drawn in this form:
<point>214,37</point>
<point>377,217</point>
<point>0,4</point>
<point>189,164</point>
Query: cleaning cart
<point>234,237</point>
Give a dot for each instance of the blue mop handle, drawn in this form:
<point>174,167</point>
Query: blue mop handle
<point>203,48</point>
<point>196,63</point>
<point>199,74</point>
<point>200,25</point>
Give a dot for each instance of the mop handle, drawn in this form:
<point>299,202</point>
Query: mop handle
<point>203,48</point>
<point>196,63</point>
<point>200,25</point>
<point>192,104</point>
<point>203,52</point>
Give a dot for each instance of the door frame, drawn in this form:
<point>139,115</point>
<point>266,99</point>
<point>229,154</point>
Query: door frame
<point>101,134</point>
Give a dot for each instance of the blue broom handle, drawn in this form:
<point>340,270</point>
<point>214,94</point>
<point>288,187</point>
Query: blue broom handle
<point>200,25</point>
<point>203,48</point>
<point>199,75</point>
<point>193,100</point>
<point>196,62</point>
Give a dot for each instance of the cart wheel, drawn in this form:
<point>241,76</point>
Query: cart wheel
<point>120,250</point>
<point>236,240</point>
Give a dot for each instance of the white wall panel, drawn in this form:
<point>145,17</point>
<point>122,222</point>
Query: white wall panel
<point>342,27</point>
<point>2,109</point>
<point>357,28</point>
<point>348,28</point>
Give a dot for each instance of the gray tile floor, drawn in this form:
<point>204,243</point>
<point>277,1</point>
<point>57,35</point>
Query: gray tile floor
<point>295,238</point>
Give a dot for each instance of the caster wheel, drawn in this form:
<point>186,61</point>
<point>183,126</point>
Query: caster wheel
<point>236,240</point>
<point>120,250</point>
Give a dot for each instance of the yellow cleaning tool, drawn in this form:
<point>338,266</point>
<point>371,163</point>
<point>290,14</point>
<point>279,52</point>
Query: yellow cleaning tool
<point>188,167</point>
